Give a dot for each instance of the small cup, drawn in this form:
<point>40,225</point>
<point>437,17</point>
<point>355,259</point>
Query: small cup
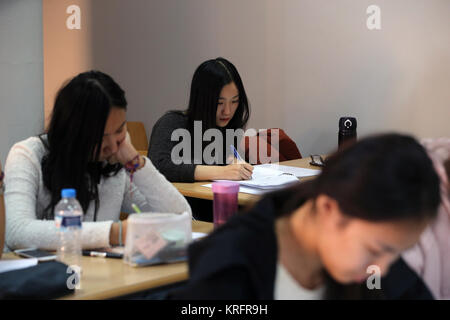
<point>225,201</point>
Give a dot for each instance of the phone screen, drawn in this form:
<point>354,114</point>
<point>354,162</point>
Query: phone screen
<point>36,253</point>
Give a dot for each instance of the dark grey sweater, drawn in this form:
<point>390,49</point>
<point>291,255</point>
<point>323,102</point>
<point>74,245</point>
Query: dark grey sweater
<point>160,148</point>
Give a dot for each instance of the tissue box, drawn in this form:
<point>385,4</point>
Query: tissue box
<point>155,238</point>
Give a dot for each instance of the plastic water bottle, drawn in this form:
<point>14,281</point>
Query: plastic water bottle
<point>68,219</point>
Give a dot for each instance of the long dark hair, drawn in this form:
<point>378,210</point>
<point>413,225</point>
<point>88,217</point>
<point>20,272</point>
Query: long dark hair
<point>207,82</point>
<point>380,178</point>
<point>387,177</point>
<point>74,138</point>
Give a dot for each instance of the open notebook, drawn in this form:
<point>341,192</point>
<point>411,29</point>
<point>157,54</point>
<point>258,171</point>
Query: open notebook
<point>267,178</point>
<point>296,171</point>
<point>272,176</point>
<point>264,179</point>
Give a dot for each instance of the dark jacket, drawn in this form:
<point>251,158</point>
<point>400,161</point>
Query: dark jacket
<point>238,261</point>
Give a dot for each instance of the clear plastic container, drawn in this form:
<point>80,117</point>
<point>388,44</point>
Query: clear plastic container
<point>225,201</point>
<point>156,238</point>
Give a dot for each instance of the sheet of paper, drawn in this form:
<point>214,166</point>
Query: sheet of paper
<point>250,190</point>
<point>298,172</point>
<point>16,264</point>
<point>244,189</point>
<point>272,176</point>
<point>260,172</point>
<point>198,235</point>
<point>270,182</point>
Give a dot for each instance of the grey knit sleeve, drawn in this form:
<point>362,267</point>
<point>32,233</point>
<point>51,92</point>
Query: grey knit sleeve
<point>161,145</point>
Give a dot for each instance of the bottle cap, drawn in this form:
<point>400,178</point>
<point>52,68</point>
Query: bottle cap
<point>68,193</point>
<point>347,123</point>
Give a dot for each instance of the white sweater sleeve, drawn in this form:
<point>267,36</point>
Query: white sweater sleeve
<point>152,192</point>
<point>23,229</point>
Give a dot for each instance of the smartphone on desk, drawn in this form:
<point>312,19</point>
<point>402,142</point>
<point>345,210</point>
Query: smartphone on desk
<point>41,255</point>
<point>317,160</point>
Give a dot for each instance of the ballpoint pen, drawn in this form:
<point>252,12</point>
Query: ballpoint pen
<point>236,154</point>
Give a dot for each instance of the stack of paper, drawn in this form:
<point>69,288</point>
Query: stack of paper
<point>266,178</point>
<point>198,235</point>
<point>298,172</point>
<point>243,189</point>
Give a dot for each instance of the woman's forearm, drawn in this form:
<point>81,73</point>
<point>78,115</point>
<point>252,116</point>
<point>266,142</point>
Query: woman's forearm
<point>234,171</point>
<point>203,173</point>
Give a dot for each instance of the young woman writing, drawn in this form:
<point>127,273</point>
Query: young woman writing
<point>217,101</point>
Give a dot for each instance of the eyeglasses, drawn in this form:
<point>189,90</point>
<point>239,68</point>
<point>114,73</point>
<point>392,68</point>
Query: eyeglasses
<point>317,160</point>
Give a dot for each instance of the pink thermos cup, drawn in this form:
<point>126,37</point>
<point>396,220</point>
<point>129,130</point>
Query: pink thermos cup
<point>225,201</point>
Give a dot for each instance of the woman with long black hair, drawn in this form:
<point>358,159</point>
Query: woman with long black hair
<point>86,147</point>
<point>217,101</point>
<point>323,238</point>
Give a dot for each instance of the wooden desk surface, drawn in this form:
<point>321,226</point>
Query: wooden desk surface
<point>109,278</point>
<point>195,190</point>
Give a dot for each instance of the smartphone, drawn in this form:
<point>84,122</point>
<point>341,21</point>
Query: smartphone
<point>41,255</point>
<point>316,160</point>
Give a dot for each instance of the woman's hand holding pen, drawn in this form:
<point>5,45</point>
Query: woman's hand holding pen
<point>233,171</point>
<point>239,170</point>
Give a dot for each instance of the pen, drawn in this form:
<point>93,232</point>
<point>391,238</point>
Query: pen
<point>90,253</point>
<point>236,154</point>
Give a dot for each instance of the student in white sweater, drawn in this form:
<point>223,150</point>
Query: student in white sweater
<point>86,147</point>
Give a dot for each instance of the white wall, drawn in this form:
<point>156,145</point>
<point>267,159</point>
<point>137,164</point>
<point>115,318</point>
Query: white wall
<point>21,72</point>
<point>153,47</point>
<point>331,65</point>
<point>304,63</point>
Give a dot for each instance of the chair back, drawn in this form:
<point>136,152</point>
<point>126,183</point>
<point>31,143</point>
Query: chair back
<point>138,136</point>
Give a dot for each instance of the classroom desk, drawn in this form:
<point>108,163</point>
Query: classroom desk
<point>104,278</point>
<point>195,189</point>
